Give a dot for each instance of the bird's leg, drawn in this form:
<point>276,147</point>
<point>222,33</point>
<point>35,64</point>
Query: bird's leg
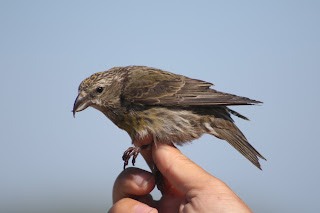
<point>134,152</point>
<point>159,178</point>
<point>144,147</point>
<point>160,182</point>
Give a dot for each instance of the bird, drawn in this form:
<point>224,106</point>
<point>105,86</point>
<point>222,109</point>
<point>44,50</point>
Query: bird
<point>157,106</point>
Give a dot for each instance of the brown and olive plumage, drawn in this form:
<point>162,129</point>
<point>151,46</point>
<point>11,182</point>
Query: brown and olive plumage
<point>164,107</point>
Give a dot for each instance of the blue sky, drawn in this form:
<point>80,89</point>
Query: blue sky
<point>264,50</point>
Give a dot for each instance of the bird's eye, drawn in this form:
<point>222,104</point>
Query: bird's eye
<point>99,90</point>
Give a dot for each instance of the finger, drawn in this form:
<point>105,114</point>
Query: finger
<point>133,182</point>
<point>181,172</point>
<point>128,205</point>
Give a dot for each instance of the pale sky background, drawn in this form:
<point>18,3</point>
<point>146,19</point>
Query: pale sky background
<point>264,50</point>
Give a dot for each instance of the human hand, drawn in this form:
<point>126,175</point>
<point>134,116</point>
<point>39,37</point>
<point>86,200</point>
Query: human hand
<point>189,188</point>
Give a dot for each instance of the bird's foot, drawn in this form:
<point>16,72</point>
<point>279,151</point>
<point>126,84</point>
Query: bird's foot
<point>134,152</point>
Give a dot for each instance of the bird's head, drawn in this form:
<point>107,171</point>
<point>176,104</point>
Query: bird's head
<point>100,90</point>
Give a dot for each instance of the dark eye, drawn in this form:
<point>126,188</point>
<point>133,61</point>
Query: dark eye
<point>99,89</point>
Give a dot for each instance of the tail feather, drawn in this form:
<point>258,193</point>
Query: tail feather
<point>237,114</point>
<point>225,129</point>
<point>240,143</point>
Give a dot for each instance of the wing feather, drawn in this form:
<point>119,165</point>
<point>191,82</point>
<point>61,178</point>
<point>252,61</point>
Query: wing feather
<point>150,86</point>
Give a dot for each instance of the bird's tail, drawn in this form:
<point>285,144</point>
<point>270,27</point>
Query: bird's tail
<point>225,129</point>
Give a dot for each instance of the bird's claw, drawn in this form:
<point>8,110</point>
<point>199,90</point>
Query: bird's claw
<point>134,152</point>
<point>131,151</point>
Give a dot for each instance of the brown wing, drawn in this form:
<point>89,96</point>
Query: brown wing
<point>150,86</point>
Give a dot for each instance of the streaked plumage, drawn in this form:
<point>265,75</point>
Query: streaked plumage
<point>165,107</point>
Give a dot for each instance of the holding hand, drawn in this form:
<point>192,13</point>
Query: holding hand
<point>188,188</point>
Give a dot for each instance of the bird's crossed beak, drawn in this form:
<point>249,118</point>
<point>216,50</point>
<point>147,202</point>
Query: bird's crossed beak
<point>80,104</point>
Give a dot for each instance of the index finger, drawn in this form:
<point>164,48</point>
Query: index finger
<point>181,172</point>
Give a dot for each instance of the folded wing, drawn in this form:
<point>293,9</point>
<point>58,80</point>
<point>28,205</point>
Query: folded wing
<point>151,86</point>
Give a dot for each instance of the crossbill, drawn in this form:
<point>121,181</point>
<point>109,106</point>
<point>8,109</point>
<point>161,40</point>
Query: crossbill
<point>155,106</point>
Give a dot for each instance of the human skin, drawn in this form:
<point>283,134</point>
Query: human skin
<point>189,188</point>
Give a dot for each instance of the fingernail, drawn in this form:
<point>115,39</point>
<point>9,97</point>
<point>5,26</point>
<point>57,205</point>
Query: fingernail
<point>142,178</point>
<point>142,208</point>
